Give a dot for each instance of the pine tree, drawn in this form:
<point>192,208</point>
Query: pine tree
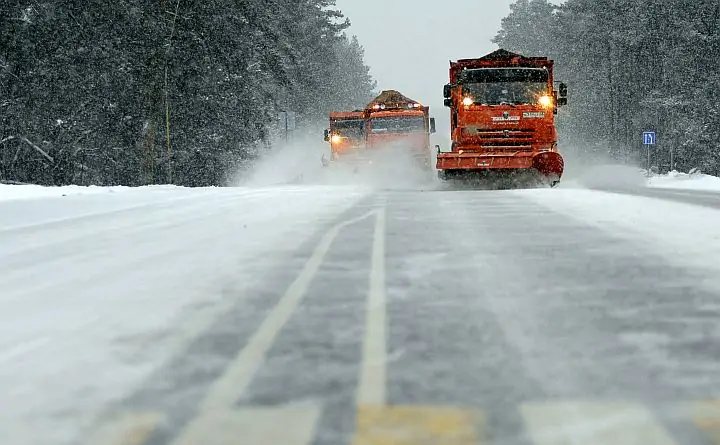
<point>137,92</point>
<point>631,66</point>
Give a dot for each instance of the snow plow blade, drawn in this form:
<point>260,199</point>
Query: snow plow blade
<point>501,170</point>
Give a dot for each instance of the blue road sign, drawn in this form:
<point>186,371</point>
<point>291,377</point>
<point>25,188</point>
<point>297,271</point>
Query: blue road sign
<point>649,138</point>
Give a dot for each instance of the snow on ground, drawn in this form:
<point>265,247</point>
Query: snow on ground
<point>98,289</point>
<point>30,191</point>
<point>76,201</point>
<point>604,175</point>
<point>684,233</point>
<point>678,180</point>
<point>629,177</point>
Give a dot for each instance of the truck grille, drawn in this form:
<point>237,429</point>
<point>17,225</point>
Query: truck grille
<point>505,133</point>
<point>502,139</point>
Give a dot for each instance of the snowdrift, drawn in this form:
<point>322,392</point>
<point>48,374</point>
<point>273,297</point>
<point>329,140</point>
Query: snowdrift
<point>30,191</point>
<point>688,181</point>
<point>626,177</point>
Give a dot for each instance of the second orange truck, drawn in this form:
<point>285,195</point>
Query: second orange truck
<point>389,120</point>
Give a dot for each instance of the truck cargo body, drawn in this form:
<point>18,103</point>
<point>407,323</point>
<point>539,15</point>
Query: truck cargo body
<point>395,122</point>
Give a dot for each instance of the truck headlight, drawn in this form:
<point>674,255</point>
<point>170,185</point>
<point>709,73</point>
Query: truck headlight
<point>545,101</point>
<point>335,139</point>
<point>468,101</point>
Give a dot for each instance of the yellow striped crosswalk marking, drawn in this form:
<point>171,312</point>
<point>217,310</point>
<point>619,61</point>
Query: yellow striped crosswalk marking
<point>546,423</point>
<point>413,425</point>
<point>705,414</point>
<point>127,429</point>
<point>566,423</point>
<point>281,425</point>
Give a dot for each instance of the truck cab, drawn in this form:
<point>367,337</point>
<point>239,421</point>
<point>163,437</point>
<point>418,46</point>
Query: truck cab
<point>396,121</point>
<point>346,133</point>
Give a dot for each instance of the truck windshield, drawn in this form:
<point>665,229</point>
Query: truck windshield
<point>404,124</point>
<point>349,128</point>
<point>495,86</point>
<point>515,93</point>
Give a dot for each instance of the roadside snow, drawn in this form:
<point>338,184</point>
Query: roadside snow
<point>31,191</point>
<point>632,177</point>
<point>605,175</point>
<point>98,289</point>
<point>678,180</point>
<point>685,234</point>
<point>26,205</point>
<point>8,192</point>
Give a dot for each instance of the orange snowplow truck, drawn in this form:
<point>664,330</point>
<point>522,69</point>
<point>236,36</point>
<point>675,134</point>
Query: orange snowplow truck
<point>393,119</point>
<point>502,119</point>
<point>346,133</point>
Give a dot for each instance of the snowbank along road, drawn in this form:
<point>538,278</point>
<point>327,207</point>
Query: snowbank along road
<point>318,315</point>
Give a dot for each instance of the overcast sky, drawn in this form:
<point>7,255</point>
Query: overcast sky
<point>409,43</point>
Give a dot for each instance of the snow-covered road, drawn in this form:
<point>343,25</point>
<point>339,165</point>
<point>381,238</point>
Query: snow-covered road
<point>348,314</point>
<point>98,289</point>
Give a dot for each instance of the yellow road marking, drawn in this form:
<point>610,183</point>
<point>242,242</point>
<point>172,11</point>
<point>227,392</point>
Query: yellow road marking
<point>566,423</point>
<point>126,429</point>
<point>416,425</point>
<point>284,425</point>
<point>706,416</point>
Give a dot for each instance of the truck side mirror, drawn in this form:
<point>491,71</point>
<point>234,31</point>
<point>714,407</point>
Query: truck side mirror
<point>432,125</point>
<point>447,89</point>
<point>562,96</point>
<point>448,102</point>
<point>327,135</point>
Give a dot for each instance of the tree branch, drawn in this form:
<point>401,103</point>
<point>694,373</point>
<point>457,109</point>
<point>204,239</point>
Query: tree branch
<point>38,149</point>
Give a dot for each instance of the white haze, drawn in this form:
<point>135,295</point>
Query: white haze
<point>300,161</point>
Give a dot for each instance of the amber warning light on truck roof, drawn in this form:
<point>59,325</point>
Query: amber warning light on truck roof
<point>383,106</point>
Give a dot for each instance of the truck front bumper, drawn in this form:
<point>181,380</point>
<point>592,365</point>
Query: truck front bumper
<point>548,163</point>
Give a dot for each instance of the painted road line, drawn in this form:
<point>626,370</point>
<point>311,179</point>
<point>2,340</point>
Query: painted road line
<point>371,388</point>
<point>565,423</point>
<point>23,348</point>
<point>231,385</point>
<point>284,425</point>
<point>126,429</point>
<point>706,416</point>
<point>413,425</point>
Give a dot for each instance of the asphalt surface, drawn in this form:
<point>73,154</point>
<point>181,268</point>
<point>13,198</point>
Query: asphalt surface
<point>447,318</point>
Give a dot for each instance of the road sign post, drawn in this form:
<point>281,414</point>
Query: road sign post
<point>287,122</point>
<point>649,138</point>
